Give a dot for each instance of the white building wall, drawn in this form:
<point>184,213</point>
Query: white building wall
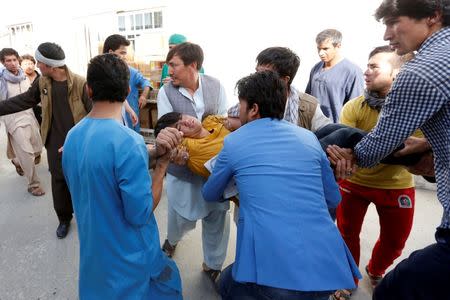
<point>230,32</point>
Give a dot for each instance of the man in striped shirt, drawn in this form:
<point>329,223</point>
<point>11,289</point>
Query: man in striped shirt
<point>420,98</point>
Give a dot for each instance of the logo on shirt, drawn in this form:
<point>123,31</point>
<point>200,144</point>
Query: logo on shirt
<point>404,201</point>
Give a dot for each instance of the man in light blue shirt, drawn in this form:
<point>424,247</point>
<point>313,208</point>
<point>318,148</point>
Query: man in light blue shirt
<point>286,241</point>
<point>118,45</point>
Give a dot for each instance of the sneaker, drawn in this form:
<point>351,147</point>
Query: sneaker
<point>374,279</point>
<point>168,249</point>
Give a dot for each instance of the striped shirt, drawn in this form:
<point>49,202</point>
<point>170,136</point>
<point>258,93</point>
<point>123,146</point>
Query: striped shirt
<point>419,98</point>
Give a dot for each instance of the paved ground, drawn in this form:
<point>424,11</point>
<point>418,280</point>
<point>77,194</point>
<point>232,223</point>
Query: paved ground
<point>34,264</point>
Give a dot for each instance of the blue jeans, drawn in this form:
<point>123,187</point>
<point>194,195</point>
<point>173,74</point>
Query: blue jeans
<point>230,289</point>
<point>425,274</point>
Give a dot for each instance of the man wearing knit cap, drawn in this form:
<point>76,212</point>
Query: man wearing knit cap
<point>64,103</point>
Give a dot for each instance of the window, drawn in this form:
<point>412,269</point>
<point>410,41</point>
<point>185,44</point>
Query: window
<point>148,21</point>
<point>139,22</point>
<point>132,22</point>
<point>121,22</point>
<point>157,15</point>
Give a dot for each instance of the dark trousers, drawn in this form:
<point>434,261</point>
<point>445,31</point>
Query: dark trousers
<point>230,289</point>
<point>62,201</point>
<point>425,274</point>
<point>347,137</point>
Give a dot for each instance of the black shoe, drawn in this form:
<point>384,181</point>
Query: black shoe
<point>62,230</point>
<point>168,249</point>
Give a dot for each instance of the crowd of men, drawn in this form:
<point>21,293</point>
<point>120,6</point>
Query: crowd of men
<point>292,183</point>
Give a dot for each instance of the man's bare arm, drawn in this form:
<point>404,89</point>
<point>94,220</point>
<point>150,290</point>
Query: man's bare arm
<point>414,145</point>
<point>158,177</point>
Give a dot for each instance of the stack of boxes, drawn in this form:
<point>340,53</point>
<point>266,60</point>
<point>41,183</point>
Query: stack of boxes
<point>149,113</point>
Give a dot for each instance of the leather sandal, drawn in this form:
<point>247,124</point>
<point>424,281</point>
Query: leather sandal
<point>168,249</point>
<point>342,294</point>
<point>36,191</point>
<point>19,169</point>
<point>211,273</point>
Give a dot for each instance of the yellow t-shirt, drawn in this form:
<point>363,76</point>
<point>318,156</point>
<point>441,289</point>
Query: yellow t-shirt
<point>382,176</point>
<point>203,149</point>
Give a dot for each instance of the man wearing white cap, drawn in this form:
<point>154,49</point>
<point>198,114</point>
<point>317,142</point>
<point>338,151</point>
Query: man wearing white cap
<point>64,103</point>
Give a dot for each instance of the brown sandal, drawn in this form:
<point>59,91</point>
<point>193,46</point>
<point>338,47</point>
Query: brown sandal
<point>342,294</point>
<point>19,169</point>
<point>211,273</point>
<point>36,191</point>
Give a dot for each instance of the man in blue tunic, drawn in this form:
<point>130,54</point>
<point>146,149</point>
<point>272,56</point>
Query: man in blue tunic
<point>106,168</point>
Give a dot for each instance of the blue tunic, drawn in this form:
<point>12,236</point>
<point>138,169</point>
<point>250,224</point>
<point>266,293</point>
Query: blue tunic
<point>136,81</point>
<point>335,86</point>
<point>105,165</point>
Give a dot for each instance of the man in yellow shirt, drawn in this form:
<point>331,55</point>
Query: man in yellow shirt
<point>389,187</point>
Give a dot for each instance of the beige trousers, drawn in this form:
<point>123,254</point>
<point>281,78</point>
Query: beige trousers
<point>22,140</point>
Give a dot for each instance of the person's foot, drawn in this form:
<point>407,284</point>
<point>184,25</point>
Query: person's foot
<point>36,191</point>
<point>37,159</point>
<point>343,294</point>
<point>374,279</point>
<point>62,230</point>
<point>168,249</point>
<point>212,274</point>
<point>19,169</point>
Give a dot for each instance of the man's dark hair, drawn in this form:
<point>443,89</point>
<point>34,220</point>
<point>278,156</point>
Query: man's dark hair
<point>167,120</point>
<point>396,61</point>
<point>415,9</point>
<point>283,61</point>
<point>333,35</point>
<point>52,51</point>
<point>7,52</point>
<point>28,57</point>
<point>188,53</point>
<point>113,42</point>
<point>265,89</point>
<point>381,49</point>
<point>108,76</point>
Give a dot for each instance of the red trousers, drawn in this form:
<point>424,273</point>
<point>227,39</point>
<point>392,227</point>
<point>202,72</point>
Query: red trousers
<point>395,211</point>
